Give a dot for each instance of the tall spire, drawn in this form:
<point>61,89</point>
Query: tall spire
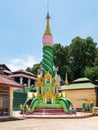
<point>66,79</point>
<point>47,38</point>
<point>48,32</point>
<point>47,62</point>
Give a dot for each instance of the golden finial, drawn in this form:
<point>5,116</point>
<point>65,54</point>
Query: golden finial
<point>48,16</point>
<point>66,79</point>
<point>47,32</point>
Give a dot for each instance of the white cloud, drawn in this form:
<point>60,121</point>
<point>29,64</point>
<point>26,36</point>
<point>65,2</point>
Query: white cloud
<point>22,62</point>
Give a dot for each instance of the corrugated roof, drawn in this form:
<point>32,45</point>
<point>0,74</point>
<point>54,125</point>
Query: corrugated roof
<point>78,86</point>
<point>9,83</point>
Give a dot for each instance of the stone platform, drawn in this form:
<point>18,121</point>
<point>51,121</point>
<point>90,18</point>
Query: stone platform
<point>53,116</point>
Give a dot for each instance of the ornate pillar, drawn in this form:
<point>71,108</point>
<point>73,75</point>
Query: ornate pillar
<point>29,80</point>
<point>52,100</point>
<point>11,101</point>
<point>37,90</point>
<point>56,90</point>
<point>41,89</point>
<point>21,80</point>
<point>53,90</point>
<point>45,100</point>
<point>59,79</point>
<point>35,83</point>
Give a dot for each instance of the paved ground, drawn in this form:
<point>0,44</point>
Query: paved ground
<point>51,124</point>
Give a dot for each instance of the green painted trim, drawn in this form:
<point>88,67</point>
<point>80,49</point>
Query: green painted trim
<point>47,44</point>
<point>78,86</point>
<point>33,104</point>
<point>27,101</point>
<point>42,105</point>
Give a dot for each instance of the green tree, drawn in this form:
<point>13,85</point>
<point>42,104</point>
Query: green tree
<point>82,54</point>
<point>92,73</point>
<point>79,59</point>
<point>34,68</point>
<point>89,73</point>
<point>90,52</point>
<point>60,54</point>
<point>29,69</point>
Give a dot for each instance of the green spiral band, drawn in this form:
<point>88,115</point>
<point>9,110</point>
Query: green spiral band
<point>47,62</point>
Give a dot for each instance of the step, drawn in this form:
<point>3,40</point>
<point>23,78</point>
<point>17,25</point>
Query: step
<point>48,111</point>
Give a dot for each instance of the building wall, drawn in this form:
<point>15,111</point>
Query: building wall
<point>78,96</point>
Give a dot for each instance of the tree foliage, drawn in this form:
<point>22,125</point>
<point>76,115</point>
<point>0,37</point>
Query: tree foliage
<point>82,55</point>
<point>76,57</point>
<point>33,69</point>
<point>60,54</point>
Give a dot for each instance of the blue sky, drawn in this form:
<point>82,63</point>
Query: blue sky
<point>22,24</point>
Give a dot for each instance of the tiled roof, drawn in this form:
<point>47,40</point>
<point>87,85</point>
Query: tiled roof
<point>7,71</point>
<point>22,75</point>
<point>4,67</point>
<point>23,71</point>
<point>9,83</point>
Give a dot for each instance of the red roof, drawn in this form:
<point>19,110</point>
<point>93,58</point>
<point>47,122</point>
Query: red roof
<point>23,73</point>
<point>3,66</point>
<point>9,83</point>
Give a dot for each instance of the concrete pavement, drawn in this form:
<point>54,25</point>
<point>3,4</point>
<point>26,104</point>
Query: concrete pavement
<point>51,124</point>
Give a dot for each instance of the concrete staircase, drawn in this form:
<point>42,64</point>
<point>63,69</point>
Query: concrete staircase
<point>49,111</point>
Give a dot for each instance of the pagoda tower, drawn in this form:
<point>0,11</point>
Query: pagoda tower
<point>47,96</point>
<point>47,62</point>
